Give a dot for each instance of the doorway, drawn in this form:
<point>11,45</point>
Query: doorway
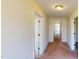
<point>76,32</point>
<point>57,31</point>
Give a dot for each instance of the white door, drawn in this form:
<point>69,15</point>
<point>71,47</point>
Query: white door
<point>57,29</point>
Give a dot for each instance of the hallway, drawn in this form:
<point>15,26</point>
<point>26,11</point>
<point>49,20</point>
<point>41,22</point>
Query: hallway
<point>28,28</point>
<point>58,50</point>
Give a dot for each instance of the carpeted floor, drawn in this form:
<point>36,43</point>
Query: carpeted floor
<point>58,50</point>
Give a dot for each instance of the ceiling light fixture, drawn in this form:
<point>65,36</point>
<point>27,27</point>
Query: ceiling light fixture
<point>59,7</point>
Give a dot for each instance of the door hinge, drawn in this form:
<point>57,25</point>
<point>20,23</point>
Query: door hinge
<point>38,34</point>
<point>38,48</point>
<point>39,21</point>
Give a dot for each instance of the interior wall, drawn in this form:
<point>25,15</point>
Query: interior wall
<point>51,28</point>
<point>44,26</point>
<point>68,31</point>
<point>17,29</point>
<point>71,41</point>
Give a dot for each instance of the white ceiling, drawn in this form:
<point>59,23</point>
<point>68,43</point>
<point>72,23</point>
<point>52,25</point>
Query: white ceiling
<point>70,6</point>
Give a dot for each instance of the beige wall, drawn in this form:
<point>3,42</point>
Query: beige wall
<point>17,29</point>
<point>44,26</point>
<point>74,13</point>
<point>68,31</point>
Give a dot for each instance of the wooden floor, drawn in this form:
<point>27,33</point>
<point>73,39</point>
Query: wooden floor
<point>58,50</point>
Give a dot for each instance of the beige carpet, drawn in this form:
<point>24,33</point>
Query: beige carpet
<point>58,50</point>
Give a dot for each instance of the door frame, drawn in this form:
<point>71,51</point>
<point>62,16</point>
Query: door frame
<point>38,21</point>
